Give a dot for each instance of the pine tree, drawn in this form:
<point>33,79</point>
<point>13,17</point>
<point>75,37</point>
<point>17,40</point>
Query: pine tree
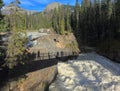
<point>117,13</point>
<point>3,23</point>
<point>16,48</point>
<point>76,15</point>
<point>2,28</point>
<point>62,26</point>
<point>67,19</point>
<point>55,20</point>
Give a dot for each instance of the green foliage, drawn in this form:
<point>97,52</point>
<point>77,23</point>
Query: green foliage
<point>62,27</point>
<point>28,21</point>
<point>55,20</point>
<point>75,17</point>
<point>2,29</point>
<point>1,4</point>
<point>16,49</point>
<point>96,21</point>
<point>37,21</point>
<point>61,19</point>
<point>3,23</point>
<point>67,19</point>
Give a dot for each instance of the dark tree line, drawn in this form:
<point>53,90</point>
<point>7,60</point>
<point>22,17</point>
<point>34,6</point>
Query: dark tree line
<point>96,21</point>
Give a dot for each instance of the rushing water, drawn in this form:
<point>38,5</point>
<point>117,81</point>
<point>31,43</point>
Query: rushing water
<point>57,85</point>
<point>90,72</point>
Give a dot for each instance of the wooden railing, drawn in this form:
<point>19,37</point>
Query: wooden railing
<point>50,55</point>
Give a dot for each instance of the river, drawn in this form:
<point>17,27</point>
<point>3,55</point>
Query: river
<point>90,72</point>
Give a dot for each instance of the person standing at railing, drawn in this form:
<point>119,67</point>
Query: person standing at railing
<point>48,55</point>
<point>62,54</point>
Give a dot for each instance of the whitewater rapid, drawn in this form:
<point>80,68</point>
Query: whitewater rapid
<point>90,72</point>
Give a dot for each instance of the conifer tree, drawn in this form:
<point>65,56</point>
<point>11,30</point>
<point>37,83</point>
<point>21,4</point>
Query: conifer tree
<point>55,20</point>
<point>117,13</point>
<point>62,26</point>
<point>67,19</point>
<point>76,15</point>
<point>3,23</point>
<point>16,48</point>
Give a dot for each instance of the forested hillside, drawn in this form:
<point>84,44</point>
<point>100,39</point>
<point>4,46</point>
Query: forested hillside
<point>97,24</point>
<point>94,23</point>
<point>97,21</point>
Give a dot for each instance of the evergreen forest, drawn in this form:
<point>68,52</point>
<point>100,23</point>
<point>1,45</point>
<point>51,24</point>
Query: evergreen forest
<point>95,23</point>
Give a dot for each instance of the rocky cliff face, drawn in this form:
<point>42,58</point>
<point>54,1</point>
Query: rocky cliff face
<point>38,80</point>
<point>6,10</point>
<point>52,6</point>
<point>56,43</point>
